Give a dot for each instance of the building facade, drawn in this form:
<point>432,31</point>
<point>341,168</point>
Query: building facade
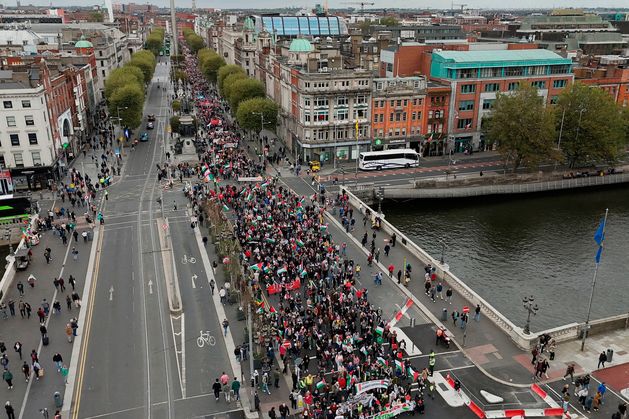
<point>475,78</point>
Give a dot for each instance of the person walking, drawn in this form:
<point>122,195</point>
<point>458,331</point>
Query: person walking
<point>449,295</point>
<point>284,411</point>
<point>225,326</point>
<point>216,387</point>
<point>236,388</point>
<point>26,370</point>
<point>212,285</point>
<point>18,348</point>
<point>477,313</point>
<point>58,360</point>
<point>602,358</point>
<point>569,372</point>
<point>20,288</point>
<point>8,377</point>
<point>9,409</point>
<point>75,253</point>
<point>72,282</point>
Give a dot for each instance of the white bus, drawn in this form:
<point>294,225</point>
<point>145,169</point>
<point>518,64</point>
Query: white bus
<point>388,159</point>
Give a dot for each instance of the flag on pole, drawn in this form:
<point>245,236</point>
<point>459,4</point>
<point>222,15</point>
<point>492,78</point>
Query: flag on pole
<point>399,365</point>
<point>256,266</point>
<point>320,385</point>
<point>599,238</point>
<point>379,330</point>
<point>225,207</point>
<point>382,361</point>
<point>412,373</point>
<point>282,270</point>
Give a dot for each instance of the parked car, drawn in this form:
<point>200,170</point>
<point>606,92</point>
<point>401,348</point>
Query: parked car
<point>149,125</point>
<point>144,137</point>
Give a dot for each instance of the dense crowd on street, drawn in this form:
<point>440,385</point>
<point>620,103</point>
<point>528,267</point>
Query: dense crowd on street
<point>316,307</point>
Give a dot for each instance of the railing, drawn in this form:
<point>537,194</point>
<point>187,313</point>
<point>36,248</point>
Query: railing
<point>563,333</point>
<point>515,188</point>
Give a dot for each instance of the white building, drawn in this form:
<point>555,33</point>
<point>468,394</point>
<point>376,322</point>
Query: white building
<point>25,137</point>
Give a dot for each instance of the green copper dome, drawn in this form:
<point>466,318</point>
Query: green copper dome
<point>83,43</point>
<point>249,25</point>
<point>300,45</point>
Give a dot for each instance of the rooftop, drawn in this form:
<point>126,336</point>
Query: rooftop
<point>498,56</point>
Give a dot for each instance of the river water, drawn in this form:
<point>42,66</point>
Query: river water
<point>506,248</point>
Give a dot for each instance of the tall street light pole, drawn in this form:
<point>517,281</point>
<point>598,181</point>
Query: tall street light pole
<point>527,302</point>
<point>173,25</point>
<point>120,121</point>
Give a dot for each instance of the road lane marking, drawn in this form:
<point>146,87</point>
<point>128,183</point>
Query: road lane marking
<point>87,327</point>
<point>194,277</point>
<point>150,284</point>
<point>111,293</point>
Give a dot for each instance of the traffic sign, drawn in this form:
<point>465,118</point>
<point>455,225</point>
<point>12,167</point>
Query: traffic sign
<point>165,226</point>
<point>466,309</point>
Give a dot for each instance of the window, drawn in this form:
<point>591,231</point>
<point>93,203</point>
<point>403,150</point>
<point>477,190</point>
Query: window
<point>36,158</point>
<point>321,115</point>
<point>513,85</point>
<point>391,116</point>
<point>466,105</point>
<point>26,103</point>
<point>32,138</point>
<point>413,116</point>
<point>540,84</point>
<point>10,121</point>
<point>492,87</point>
<point>307,116</point>
<point>558,84</point>
<point>399,103</point>
<point>398,116</point>
<point>360,100</point>
<point>405,103</point>
<point>554,100</point>
<point>15,139</point>
<point>341,114</point>
<point>7,104</point>
<point>3,163</point>
<point>488,104</point>
<point>306,101</point>
<point>341,101</point>
<point>514,71</point>
<point>465,123</point>
<point>468,88</point>
<point>19,161</point>
<point>29,120</point>
<point>321,101</point>
<point>360,113</point>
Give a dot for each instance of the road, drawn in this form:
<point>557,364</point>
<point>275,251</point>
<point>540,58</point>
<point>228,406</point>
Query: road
<point>133,361</point>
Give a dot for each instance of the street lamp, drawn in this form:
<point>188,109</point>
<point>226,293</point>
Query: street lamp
<point>380,197</point>
<point>527,302</point>
<point>118,113</point>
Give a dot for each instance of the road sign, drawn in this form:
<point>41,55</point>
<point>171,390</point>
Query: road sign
<point>466,309</point>
<point>165,226</point>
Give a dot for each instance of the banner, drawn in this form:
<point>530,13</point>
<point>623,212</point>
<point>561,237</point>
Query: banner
<point>370,385</point>
<point>366,399</point>
<point>294,285</point>
<point>397,410</point>
<point>250,179</point>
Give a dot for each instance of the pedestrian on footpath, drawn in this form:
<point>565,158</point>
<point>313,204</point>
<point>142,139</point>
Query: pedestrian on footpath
<point>449,293</point>
<point>20,288</point>
<point>225,326</point>
<point>75,253</point>
<point>276,377</point>
<point>216,387</point>
<point>58,360</point>
<point>72,282</point>
<point>222,294</point>
<point>11,304</point>
<point>10,411</point>
<point>602,358</point>
<point>569,372</point>
<point>284,411</point>
<point>212,285</point>
<point>477,313</point>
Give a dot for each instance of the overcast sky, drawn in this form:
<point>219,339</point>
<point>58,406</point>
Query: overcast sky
<point>338,3</point>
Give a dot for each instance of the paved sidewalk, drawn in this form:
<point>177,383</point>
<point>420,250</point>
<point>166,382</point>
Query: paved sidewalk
<point>28,398</point>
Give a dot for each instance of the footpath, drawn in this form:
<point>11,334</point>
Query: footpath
<point>30,398</point>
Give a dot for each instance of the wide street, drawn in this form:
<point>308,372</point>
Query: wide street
<point>135,360</point>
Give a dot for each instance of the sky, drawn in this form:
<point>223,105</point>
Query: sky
<point>474,4</point>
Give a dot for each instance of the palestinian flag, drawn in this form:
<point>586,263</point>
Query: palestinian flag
<point>382,361</point>
<point>227,166</point>
<point>272,310</point>
<point>379,330</point>
<point>270,240</point>
<point>282,270</point>
<point>303,273</point>
<point>260,310</point>
<point>320,385</point>
<point>399,365</point>
<point>264,185</point>
<point>225,207</point>
<point>256,267</point>
<point>300,243</point>
<point>266,269</point>
<point>323,227</point>
<point>249,197</point>
<point>412,373</point>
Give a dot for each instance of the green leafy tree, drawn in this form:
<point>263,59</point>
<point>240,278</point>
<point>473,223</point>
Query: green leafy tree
<point>225,71</point>
<point>130,100</point>
<point>95,17</point>
<point>145,61</point>
<point>181,75</point>
<point>244,89</point>
<point>194,41</point>
<point>229,81</point>
<point>389,21</point>
<point>211,65</point>
<point>594,129</point>
<point>123,76</point>
<point>523,128</point>
<point>248,114</point>
<point>176,105</point>
<point>174,123</point>
<point>155,41</point>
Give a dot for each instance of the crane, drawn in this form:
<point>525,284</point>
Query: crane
<point>361,3</point>
<point>462,5</point>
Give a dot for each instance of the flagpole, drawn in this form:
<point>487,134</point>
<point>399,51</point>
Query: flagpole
<point>587,320</point>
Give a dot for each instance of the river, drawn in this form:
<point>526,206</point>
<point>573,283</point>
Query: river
<point>506,248</point>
